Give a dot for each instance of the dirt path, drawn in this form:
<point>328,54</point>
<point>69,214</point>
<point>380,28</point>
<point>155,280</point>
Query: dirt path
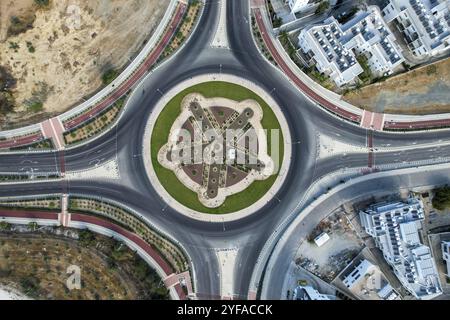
<point>425,90</point>
<point>62,58</point>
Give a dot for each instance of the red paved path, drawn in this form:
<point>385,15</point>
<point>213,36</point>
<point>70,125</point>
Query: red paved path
<point>21,141</point>
<point>28,214</point>
<point>53,129</point>
<point>430,124</point>
<point>366,119</point>
<point>378,121</point>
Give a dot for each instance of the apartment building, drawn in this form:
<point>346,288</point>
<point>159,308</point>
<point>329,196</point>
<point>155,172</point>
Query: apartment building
<point>334,48</point>
<point>395,227</point>
<point>425,24</point>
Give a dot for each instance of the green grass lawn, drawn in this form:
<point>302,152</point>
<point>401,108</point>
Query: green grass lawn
<point>160,136</point>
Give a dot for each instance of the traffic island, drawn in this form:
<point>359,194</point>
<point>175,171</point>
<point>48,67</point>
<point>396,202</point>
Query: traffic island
<point>215,148</point>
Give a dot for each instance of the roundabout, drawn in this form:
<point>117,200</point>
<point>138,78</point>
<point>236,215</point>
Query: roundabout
<point>251,231</point>
<point>216,148</point>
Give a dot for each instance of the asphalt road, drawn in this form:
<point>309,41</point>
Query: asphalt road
<point>201,239</point>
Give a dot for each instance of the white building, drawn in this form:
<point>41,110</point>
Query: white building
<point>445,245</point>
<point>395,228</point>
<point>334,47</point>
<point>309,293</point>
<point>298,5</point>
<point>365,277</point>
<point>321,239</point>
<point>425,24</point>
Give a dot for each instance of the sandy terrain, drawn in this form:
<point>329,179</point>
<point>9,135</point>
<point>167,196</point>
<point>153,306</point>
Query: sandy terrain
<point>422,91</point>
<point>73,43</point>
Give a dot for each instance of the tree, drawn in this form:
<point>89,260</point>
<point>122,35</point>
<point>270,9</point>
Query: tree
<point>431,69</point>
<point>343,18</point>
<point>42,3</point>
<point>30,285</point>
<point>30,47</point>
<point>86,238</point>
<point>14,45</point>
<point>33,226</point>
<point>109,76</point>
<point>441,199</point>
<point>5,226</point>
<point>366,76</point>
<point>323,6</point>
<point>277,22</point>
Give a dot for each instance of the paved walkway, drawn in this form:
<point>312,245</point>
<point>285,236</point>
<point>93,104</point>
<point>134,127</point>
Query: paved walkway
<point>184,278</point>
<point>53,129</point>
<point>21,140</point>
<point>371,120</point>
<point>64,217</point>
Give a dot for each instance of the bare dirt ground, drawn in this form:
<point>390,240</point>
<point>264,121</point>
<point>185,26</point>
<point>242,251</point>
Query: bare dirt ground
<point>328,260</point>
<point>425,90</point>
<point>63,54</point>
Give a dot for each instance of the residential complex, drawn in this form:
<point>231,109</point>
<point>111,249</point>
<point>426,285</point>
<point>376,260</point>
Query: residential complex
<point>334,48</point>
<point>395,228</point>
<point>366,281</point>
<point>425,24</point>
<point>309,293</point>
<point>445,245</point>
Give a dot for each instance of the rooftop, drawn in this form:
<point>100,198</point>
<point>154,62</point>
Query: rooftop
<point>425,23</point>
<point>395,227</point>
<point>335,46</point>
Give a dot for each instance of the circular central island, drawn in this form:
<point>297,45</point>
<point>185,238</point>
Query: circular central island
<point>216,148</point>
